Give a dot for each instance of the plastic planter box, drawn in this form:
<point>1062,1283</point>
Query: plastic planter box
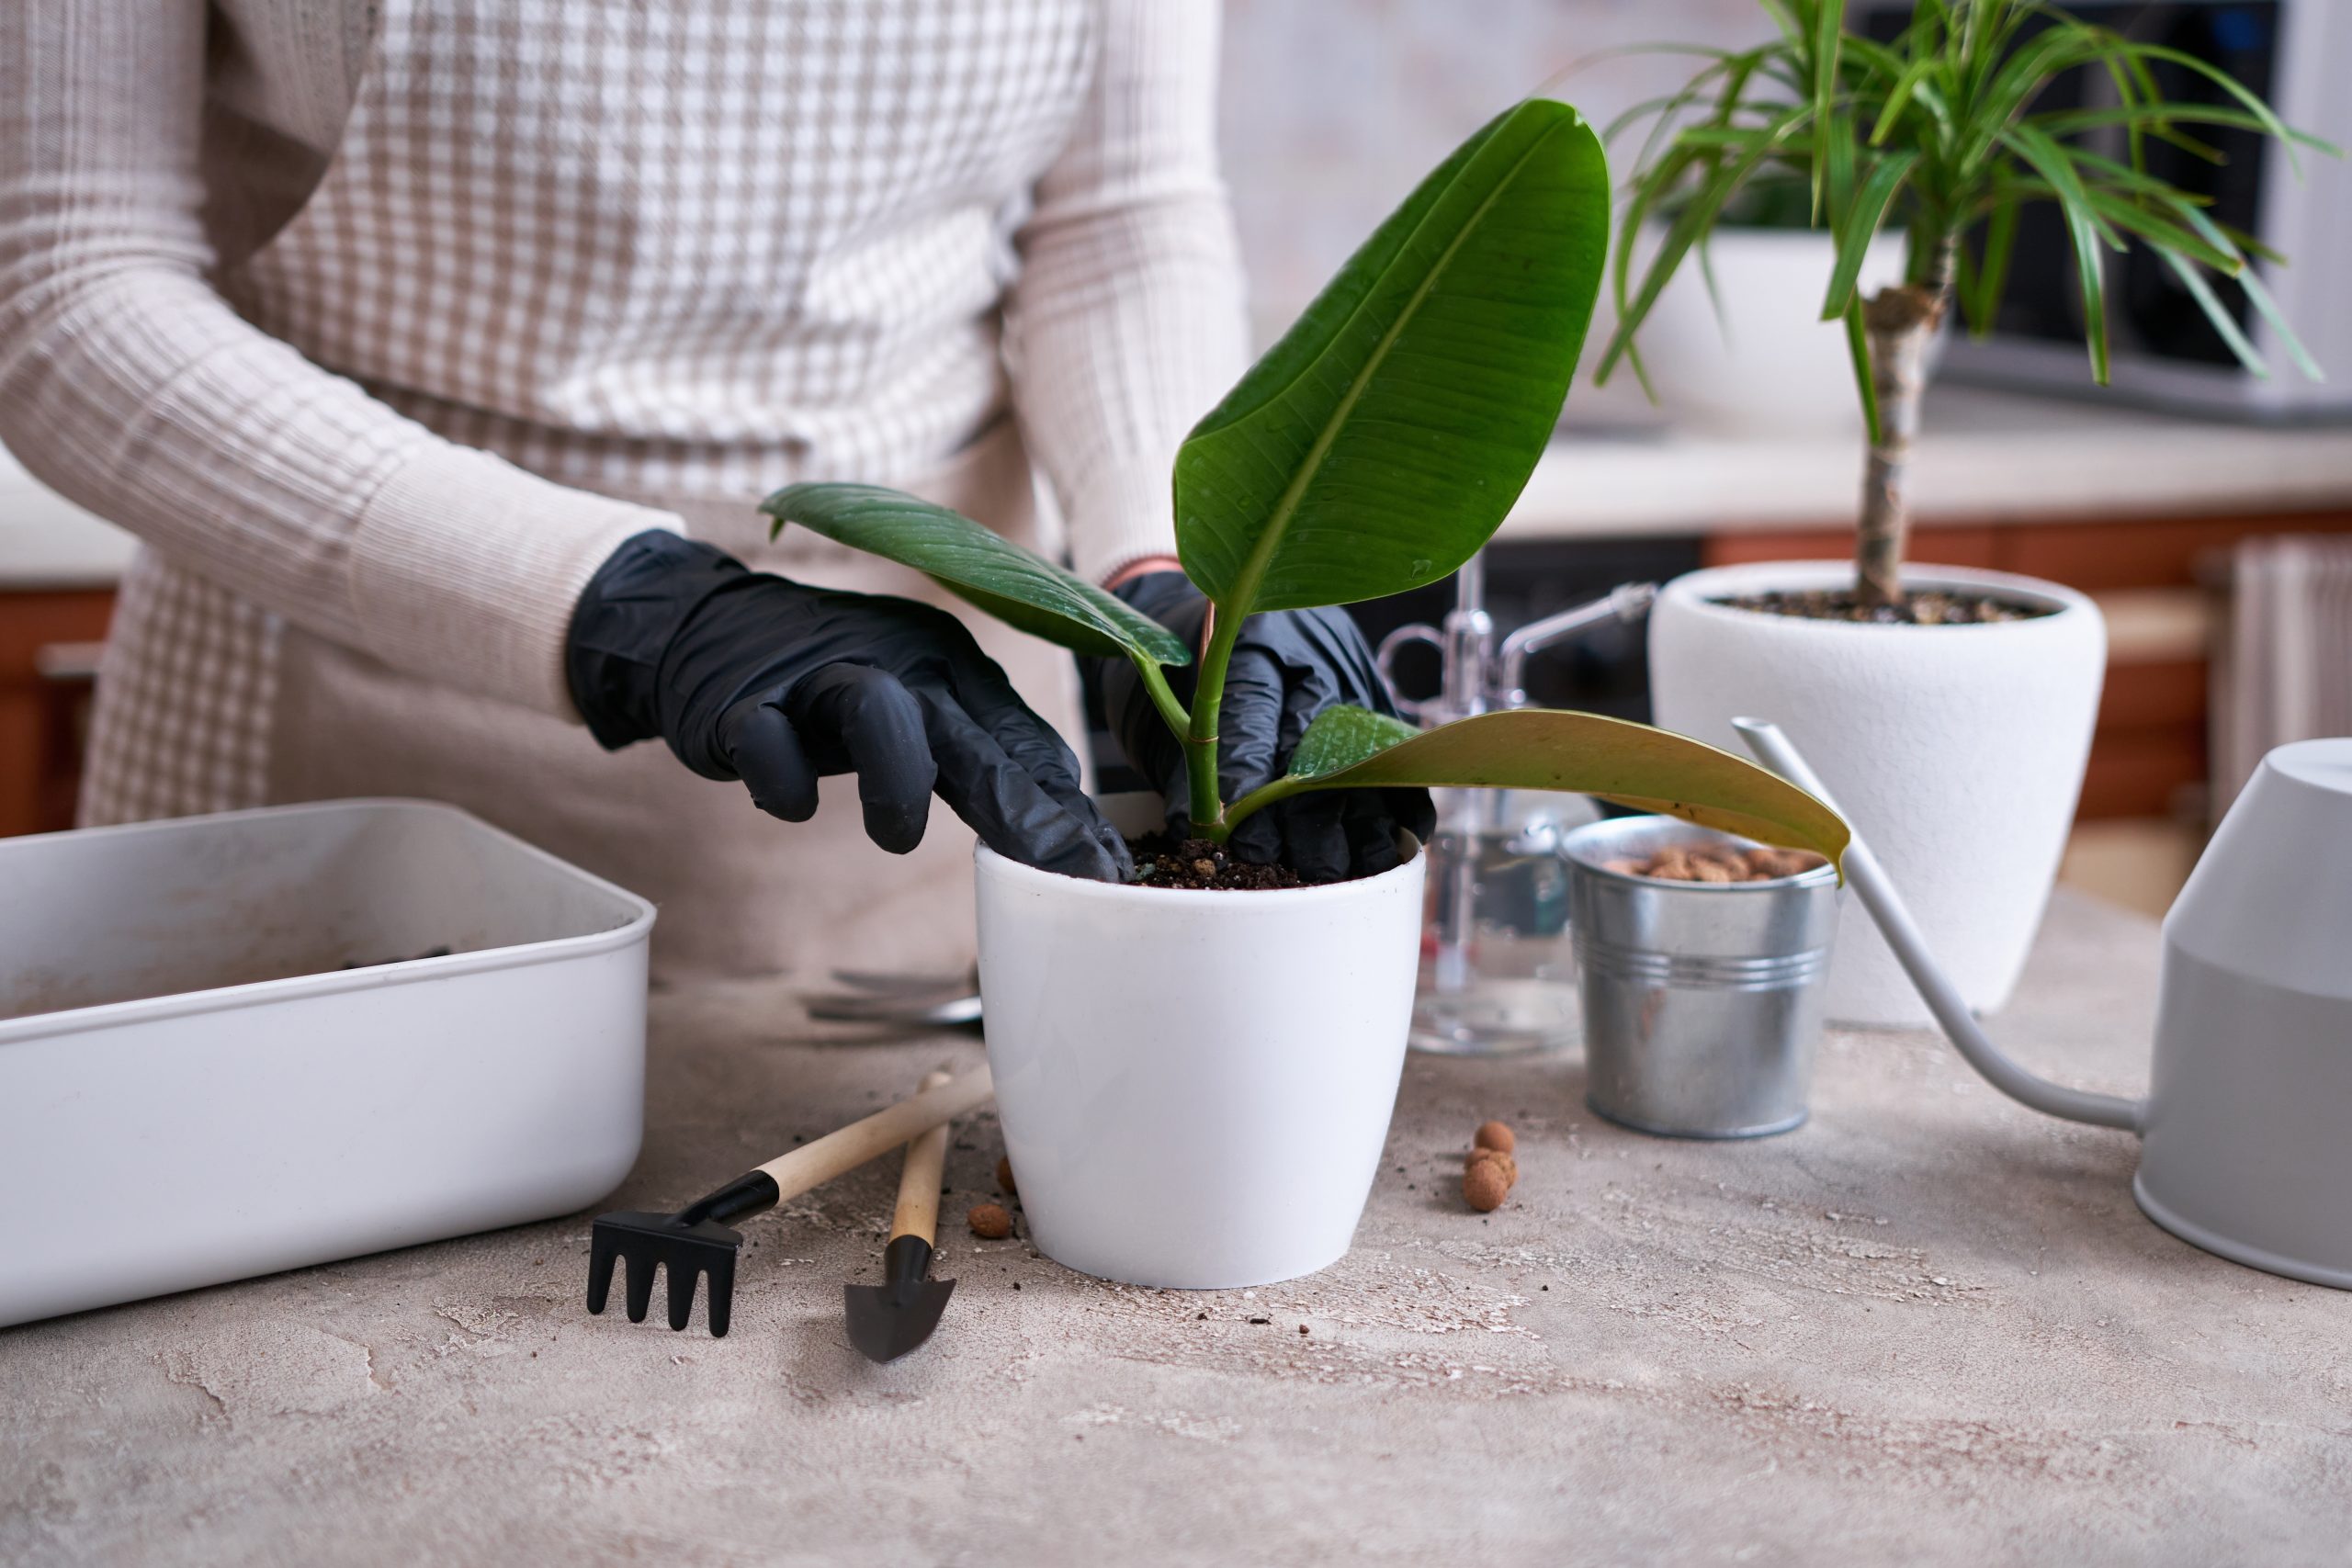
<point>197,1085</point>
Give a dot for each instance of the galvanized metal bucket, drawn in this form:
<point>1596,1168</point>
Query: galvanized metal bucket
<point>1703,1000</point>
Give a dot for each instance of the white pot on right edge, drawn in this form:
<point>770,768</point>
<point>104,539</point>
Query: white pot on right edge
<point>1958,751</point>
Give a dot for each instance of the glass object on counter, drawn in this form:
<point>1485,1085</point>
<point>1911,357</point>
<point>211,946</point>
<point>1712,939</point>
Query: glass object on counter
<point>1498,973</point>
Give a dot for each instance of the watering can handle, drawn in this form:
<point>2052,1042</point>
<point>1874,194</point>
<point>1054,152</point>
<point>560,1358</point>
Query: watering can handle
<point>1885,906</point>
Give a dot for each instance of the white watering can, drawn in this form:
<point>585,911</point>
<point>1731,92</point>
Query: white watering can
<point>2246,1132</point>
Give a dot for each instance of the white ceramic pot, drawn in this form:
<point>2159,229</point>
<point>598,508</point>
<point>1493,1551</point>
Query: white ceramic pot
<point>1757,356</point>
<point>1956,750</point>
<point>1196,1087</point>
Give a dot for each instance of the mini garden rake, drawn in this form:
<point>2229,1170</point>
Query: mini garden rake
<point>696,1241</point>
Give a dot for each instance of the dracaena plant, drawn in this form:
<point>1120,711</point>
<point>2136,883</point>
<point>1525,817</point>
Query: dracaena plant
<point>1940,133</point>
<point>1373,449</point>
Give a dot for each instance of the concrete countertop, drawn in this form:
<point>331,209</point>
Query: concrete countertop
<point>1986,457</point>
<point>1928,1328</point>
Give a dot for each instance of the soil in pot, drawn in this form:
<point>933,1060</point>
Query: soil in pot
<point>1163,860</point>
<point>1927,607</point>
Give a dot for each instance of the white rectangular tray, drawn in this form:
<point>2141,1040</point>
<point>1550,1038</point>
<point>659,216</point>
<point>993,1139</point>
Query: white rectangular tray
<point>194,1086</point>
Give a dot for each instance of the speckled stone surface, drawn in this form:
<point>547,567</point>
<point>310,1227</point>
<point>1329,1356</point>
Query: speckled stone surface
<point>1928,1327</point>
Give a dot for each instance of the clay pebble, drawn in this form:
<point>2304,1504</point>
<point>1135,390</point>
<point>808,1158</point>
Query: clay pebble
<point>1498,1158</point>
<point>1717,863</point>
<point>1484,1187</point>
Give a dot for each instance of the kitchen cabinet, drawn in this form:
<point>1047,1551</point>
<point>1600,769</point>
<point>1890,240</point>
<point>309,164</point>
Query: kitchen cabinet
<point>49,640</point>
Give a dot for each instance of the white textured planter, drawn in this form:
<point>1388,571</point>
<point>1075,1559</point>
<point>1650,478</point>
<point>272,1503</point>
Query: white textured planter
<point>1756,357</point>
<point>1196,1087</point>
<point>1956,750</point>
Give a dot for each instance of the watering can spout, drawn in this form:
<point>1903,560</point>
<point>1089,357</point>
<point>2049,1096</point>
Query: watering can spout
<point>1869,883</point>
<point>2241,1149</point>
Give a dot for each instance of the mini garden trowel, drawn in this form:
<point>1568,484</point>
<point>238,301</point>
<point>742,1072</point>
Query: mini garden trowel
<point>692,1241</point>
<point>887,1320</point>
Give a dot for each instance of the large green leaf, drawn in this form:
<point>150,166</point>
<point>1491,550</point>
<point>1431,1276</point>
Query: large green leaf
<point>1018,586</point>
<point>1382,439</point>
<point>1633,764</point>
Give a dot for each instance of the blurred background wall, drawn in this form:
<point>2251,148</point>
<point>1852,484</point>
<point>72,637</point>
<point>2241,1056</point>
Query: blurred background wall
<point>1333,107</point>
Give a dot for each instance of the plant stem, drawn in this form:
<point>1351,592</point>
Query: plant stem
<point>1901,323</point>
<point>1265,795</point>
<point>1155,683</point>
<point>1200,735</point>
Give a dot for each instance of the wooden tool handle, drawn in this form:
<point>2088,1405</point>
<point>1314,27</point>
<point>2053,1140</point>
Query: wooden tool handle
<point>918,1210</point>
<point>813,1165</point>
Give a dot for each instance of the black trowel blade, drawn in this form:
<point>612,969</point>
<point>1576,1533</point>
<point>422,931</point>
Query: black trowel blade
<point>885,1322</point>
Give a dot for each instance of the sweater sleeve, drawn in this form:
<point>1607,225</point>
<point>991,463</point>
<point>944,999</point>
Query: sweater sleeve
<point>131,386</point>
<point>1127,322</point>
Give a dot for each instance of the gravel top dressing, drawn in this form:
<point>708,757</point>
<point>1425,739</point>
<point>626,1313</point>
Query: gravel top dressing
<point>1928,607</point>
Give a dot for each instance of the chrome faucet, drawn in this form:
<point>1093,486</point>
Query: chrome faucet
<point>1497,889</point>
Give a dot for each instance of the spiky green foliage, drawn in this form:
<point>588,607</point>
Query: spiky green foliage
<point>1937,133</point>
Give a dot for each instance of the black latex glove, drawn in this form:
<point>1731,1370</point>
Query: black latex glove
<point>1288,666</point>
<point>750,676</point>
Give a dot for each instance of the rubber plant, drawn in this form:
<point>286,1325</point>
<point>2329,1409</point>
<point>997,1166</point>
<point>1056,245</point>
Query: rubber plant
<point>1373,449</point>
<point>1937,132</point>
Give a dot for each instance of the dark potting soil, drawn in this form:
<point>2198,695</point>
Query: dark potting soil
<point>1164,861</point>
<point>1927,607</point>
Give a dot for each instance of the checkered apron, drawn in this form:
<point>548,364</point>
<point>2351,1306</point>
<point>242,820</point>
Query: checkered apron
<point>676,254</point>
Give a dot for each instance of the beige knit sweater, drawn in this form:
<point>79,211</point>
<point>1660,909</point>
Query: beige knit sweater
<point>402,374</point>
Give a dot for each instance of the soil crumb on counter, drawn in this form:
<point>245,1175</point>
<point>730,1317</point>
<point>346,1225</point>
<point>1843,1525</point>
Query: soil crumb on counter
<point>1927,607</point>
<point>1164,861</point>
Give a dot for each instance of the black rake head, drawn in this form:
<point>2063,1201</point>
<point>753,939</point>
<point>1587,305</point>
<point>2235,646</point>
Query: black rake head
<point>645,1242</point>
<point>689,1242</point>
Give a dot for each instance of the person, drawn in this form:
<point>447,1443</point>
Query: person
<point>439,350</point>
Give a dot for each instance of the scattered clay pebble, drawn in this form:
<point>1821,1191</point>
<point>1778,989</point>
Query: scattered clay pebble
<point>1499,1160</point>
<point>989,1222</point>
<point>1484,1186</point>
<point>1005,1174</point>
<point>1495,1135</point>
<point>1781,862</point>
<point>1717,863</point>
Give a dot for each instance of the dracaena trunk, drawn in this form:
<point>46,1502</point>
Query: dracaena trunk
<point>1901,321</point>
